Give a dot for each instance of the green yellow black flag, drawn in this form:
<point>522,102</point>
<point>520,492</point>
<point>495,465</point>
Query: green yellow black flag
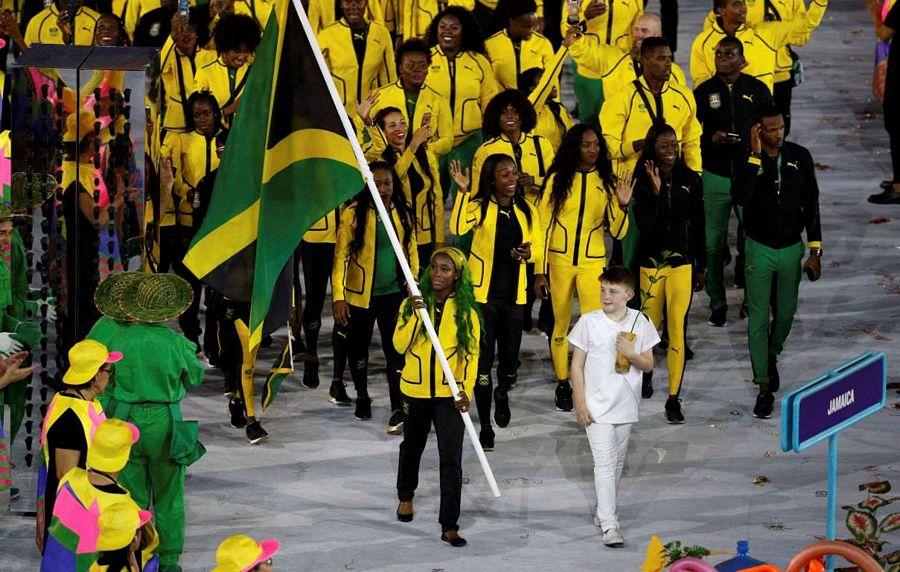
<point>288,162</point>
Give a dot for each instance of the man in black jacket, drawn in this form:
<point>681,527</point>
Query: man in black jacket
<point>727,105</point>
<point>776,186</point>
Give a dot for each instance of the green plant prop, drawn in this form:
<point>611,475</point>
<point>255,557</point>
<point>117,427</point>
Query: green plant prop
<point>668,255</point>
<point>867,530</point>
<point>675,551</point>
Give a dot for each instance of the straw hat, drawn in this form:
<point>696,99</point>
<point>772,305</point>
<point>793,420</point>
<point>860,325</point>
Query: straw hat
<point>108,295</point>
<point>82,123</point>
<point>111,445</point>
<point>240,553</point>
<point>118,523</point>
<point>157,298</point>
<point>85,360</point>
<point>8,213</point>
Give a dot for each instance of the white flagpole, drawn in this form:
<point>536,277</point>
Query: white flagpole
<point>395,243</point>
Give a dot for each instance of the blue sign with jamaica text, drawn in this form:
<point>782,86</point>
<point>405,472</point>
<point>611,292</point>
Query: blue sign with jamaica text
<point>833,401</point>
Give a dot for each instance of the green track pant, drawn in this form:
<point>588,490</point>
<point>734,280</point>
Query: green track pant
<point>717,203</point>
<point>589,95</point>
<point>764,266</point>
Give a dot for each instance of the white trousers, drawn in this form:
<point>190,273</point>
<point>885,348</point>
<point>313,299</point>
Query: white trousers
<point>609,444</point>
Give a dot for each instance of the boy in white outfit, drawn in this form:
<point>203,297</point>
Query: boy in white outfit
<point>606,402</point>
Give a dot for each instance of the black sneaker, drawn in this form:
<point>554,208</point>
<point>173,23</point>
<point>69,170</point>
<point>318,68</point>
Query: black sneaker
<point>395,423</point>
<point>363,408</point>
<point>238,415</point>
<point>774,378</point>
<point>764,402</point>
<point>740,276</point>
<point>337,394</point>
<point>255,433</point>
<point>719,317</point>
<point>688,353</point>
<point>673,411</point>
<point>563,396</point>
<point>486,438</point>
<point>647,386</point>
<point>886,197</point>
<point>311,375</point>
<point>745,311</point>
<point>501,407</point>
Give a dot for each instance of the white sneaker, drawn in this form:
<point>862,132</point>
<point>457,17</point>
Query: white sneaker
<point>597,522</point>
<point>613,538</point>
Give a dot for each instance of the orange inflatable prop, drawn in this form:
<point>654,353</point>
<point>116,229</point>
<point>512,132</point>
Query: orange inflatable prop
<point>812,553</point>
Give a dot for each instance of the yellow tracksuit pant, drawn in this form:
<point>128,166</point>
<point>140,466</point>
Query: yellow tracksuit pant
<point>671,289</point>
<point>565,280</point>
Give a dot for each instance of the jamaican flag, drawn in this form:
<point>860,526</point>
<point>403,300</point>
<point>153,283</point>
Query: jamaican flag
<point>287,163</point>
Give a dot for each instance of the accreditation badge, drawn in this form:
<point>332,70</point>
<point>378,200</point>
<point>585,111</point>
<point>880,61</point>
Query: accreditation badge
<point>715,101</point>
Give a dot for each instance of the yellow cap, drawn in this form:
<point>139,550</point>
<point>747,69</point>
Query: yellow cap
<point>118,524</point>
<point>111,445</point>
<point>240,553</point>
<point>85,125</point>
<point>85,360</point>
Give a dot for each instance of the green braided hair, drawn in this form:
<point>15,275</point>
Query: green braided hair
<point>463,296</point>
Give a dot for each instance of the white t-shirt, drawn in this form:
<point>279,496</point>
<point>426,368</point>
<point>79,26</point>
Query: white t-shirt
<point>611,397</point>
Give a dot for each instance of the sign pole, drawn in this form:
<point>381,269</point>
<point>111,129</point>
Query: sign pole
<point>832,495</point>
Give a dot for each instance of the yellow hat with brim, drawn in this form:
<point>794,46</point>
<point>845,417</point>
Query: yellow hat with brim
<point>118,524</point>
<point>85,360</point>
<point>81,123</point>
<point>111,445</point>
<point>240,553</point>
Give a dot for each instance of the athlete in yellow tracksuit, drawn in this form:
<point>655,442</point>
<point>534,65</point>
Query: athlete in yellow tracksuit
<point>613,28</point>
<point>578,206</point>
<point>415,99</point>
<point>322,13</point>
<point>178,66</point>
<point>359,54</point>
<point>540,84</point>
<point>507,234</point>
<point>518,47</point>
<point>461,74</point>
<point>417,15</point>
<point>447,296</point>
<point>762,41</point>
<point>237,37</point>
<point>367,286</point>
<point>533,155</point>
<point>43,28</point>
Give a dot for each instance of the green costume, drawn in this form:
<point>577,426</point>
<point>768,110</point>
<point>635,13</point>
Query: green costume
<point>13,293</point>
<point>160,365</point>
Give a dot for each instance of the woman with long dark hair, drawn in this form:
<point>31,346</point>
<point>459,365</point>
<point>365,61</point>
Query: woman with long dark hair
<point>449,297</point>
<point>506,234</point>
<point>672,247</point>
<point>460,72</point>
<point>581,201</point>
<point>419,174</point>
<point>367,285</point>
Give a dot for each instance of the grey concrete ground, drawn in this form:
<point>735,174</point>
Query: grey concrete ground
<point>324,484</point>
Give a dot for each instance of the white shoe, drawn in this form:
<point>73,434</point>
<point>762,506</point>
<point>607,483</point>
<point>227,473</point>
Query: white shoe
<point>613,538</point>
<point>597,522</point>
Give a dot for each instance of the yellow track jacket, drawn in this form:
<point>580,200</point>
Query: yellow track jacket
<point>429,203</point>
<point>467,83</point>
<point>321,14</point>
<point>612,28</point>
<point>762,43</point>
<point>537,155</point>
<point>324,229</point>
<point>354,82</point>
<point>624,119</point>
<point>466,215</point>
<point>575,237</point>
<point>507,63</point>
<point>422,375</point>
<point>416,15</point>
<point>193,157</point>
<point>352,274</point>
<point>429,102</point>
